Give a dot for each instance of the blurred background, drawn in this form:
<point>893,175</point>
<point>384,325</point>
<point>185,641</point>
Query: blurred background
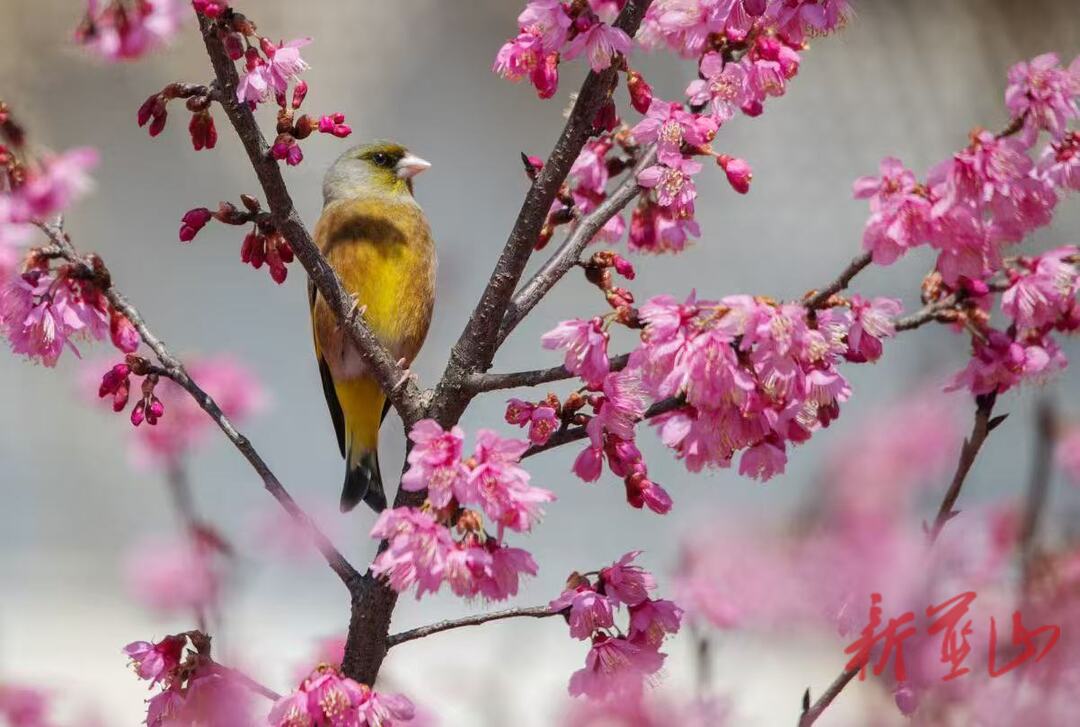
<point>908,79</point>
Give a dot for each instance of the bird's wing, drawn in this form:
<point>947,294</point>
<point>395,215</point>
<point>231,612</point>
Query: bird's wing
<point>332,403</point>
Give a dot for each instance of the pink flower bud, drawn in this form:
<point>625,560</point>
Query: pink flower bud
<point>641,94</point>
<point>738,172</point>
<point>298,94</point>
<point>519,412</point>
<point>202,130</point>
<point>294,155</point>
<point>138,414</point>
<point>752,108</point>
<point>280,149</point>
<point>147,109</point>
<point>533,165</point>
<point>545,77</point>
<point>623,267</point>
<point>285,251</point>
<point>974,288</point>
<point>267,47</point>
<point>754,8</point>
<point>209,8</point>
<point>123,333</point>
<point>607,118</point>
<point>193,221</point>
<point>252,59</point>
<point>907,700</point>
<point>155,411</point>
<point>158,124</point>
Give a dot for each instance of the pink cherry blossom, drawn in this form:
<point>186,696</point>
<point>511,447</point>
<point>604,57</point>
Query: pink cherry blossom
<point>285,64</point>
<point>24,706</point>
<point>871,321</point>
<point>725,86</point>
<point>165,708</point>
<point>585,343</point>
<point>435,463</point>
<point>589,611</point>
<point>797,17</point>
<point>600,43</point>
<point>40,315</point>
<point>417,552</point>
<point>669,126</point>
<point>1000,363</point>
<point>501,574</point>
<point>1045,293</point>
<point>546,19</point>
<point>541,419</point>
<point>328,698</point>
<point>501,486</point>
<point>673,184</point>
<point>1060,162</point>
<point>127,31</point>
<point>1044,94</point>
<point>651,621</point>
<point>614,667</point>
<point>900,213</point>
<point>156,662</point>
<point>626,583</point>
<point>526,55</point>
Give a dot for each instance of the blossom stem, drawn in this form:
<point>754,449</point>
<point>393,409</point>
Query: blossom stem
<point>480,383</point>
<point>180,490</point>
<point>810,715</point>
<point>573,434</point>
<point>422,631</point>
<point>980,430</point>
<point>175,370</point>
<point>570,251</point>
<point>402,390</point>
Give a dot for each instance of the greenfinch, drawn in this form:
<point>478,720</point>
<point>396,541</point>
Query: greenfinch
<point>374,234</point>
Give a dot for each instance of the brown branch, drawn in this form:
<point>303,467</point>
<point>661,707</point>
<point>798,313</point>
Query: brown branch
<point>172,367</point>
<point>422,631</point>
<point>400,388</point>
<point>984,408</point>
<point>184,504</point>
<point>570,251</point>
<point>476,346</point>
<point>809,716</point>
<point>821,297</point>
<point>480,383</point>
<point>983,425</point>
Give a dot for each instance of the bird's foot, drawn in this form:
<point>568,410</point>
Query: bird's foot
<point>406,374</point>
<point>355,311</point>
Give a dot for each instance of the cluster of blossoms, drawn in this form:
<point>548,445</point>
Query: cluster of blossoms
<point>119,30</point>
<point>262,245</point>
<point>326,697</point>
<point>232,385</point>
<point>746,51</point>
<point>46,304</point>
<point>193,689</point>
<point>422,549</point>
<point>618,664</point>
<point>269,69</point>
<point>988,196</point>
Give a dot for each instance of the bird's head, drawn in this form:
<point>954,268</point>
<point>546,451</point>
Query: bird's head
<point>381,168</point>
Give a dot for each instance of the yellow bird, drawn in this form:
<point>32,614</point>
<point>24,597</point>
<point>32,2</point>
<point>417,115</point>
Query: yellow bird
<point>374,234</point>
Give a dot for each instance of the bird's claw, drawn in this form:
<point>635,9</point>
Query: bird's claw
<point>406,374</point>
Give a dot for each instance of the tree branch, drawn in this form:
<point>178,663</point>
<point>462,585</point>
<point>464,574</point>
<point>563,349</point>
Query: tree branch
<point>245,681</point>
<point>821,297</point>
<point>400,388</point>
<point>175,371</point>
<point>1038,486</point>
<point>984,408</point>
<point>479,340</point>
<point>481,383</point>
<point>810,715</point>
<point>422,631</point>
<point>570,251</point>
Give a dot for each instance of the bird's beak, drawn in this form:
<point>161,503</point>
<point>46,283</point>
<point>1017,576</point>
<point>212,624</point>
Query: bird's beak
<point>410,166</point>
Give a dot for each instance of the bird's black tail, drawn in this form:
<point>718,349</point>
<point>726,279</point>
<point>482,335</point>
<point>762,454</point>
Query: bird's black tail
<point>363,482</point>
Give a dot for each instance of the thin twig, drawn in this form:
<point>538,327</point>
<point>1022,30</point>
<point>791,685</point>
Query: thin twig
<point>821,297</point>
<point>480,383</point>
<point>983,425</point>
<point>810,715</point>
<point>980,430</point>
<point>175,370</point>
<point>184,504</point>
<point>422,631</point>
<point>401,389</point>
<point>570,251</point>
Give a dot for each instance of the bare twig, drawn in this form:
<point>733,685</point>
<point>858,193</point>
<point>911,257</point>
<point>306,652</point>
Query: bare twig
<point>821,297</point>
<point>984,408</point>
<point>482,618</point>
<point>402,390</point>
<point>480,383</point>
<point>175,370</point>
<point>570,251</point>
<point>184,504</point>
<point>822,703</point>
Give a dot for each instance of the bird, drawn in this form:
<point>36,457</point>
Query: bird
<point>374,234</point>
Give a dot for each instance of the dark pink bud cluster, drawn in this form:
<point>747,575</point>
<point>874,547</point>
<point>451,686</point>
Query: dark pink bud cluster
<point>641,93</point>
<point>272,249</point>
<point>334,124</point>
<point>117,383</point>
<point>154,111</point>
<point>621,660</point>
<point>122,30</point>
<point>193,221</point>
<point>542,418</point>
<point>262,245</point>
<point>738,172</point>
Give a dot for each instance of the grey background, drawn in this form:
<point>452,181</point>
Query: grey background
<point>904,78</point>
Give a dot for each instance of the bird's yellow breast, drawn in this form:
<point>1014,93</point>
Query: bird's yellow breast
<point>383,252</point>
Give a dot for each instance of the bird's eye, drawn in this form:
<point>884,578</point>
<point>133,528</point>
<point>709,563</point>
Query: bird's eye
<point>380,159</point>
